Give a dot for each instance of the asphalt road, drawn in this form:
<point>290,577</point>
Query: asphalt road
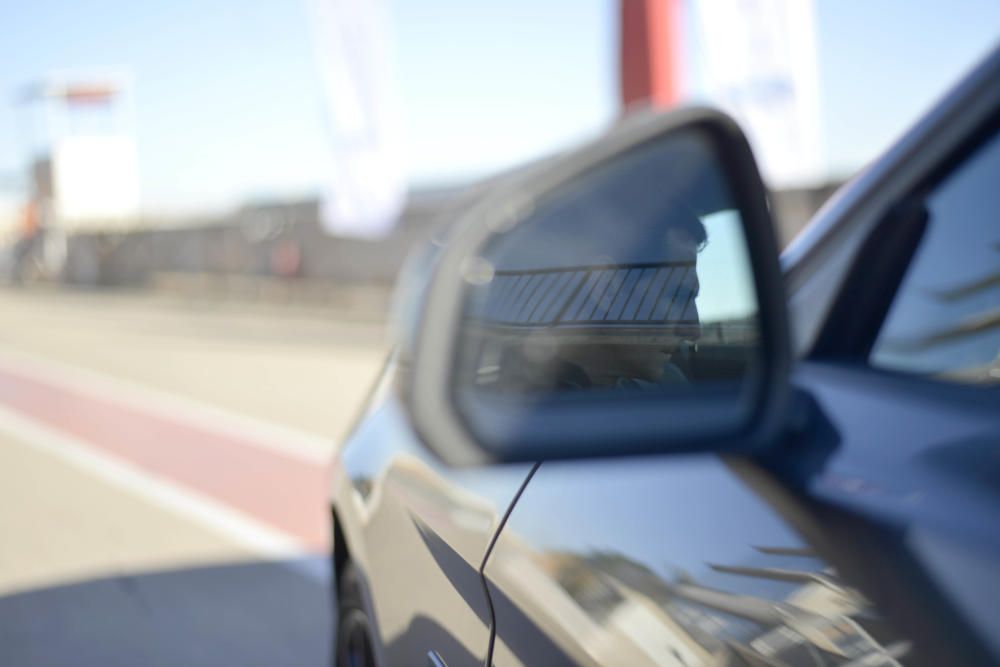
<point>163,470</point>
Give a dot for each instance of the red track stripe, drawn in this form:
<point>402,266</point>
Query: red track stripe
<point>285,493</point>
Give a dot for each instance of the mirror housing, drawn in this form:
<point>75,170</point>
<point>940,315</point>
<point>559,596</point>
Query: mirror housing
<point>466,426</point>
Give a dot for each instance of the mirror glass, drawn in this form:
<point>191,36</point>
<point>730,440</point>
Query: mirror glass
<point>633,277</point>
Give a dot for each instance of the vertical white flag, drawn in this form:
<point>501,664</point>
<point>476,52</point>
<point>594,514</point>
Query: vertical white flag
<point>366,190</point>
<point>759,63</point>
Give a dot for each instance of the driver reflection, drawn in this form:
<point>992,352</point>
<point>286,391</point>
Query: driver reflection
<point>612,352</point>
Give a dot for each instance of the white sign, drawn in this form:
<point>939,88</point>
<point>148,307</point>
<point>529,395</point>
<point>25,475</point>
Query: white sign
<point>95,181</point>
<point>758,63</point>
<point>367,189</point>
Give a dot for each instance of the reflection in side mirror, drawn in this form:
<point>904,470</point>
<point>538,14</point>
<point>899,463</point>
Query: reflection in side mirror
<point>634,277</point>
<point>625,298</point>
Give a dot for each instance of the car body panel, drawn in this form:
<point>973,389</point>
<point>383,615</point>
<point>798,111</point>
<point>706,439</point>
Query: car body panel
<point>418,531</point>
<point>689,561</point>
<point>920,459</point>
<point>620,562</point>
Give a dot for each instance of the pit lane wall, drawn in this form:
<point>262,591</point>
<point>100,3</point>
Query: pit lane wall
<point>279,250</point>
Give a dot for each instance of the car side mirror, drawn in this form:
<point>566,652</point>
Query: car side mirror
<point>621,299</point>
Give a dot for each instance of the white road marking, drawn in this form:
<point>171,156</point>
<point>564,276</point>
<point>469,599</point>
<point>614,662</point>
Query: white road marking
<point>242,529</point>
<point>252,431</point>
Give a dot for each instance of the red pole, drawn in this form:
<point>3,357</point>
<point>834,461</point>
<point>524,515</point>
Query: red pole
<point>649,53</point>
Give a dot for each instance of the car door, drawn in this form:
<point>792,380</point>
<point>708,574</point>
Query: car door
<point>418,531</point>
<point>871,539</point>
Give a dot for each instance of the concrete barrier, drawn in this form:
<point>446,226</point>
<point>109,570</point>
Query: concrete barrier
<point>279,252</point>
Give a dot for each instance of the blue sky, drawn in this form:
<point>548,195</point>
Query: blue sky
<point>228,106</point>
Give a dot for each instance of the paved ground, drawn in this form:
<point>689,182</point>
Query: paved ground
<point>163,471</point>
<point>298,367</point>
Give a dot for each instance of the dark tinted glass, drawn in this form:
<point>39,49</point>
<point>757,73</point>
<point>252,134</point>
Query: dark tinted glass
<point>945,320</point>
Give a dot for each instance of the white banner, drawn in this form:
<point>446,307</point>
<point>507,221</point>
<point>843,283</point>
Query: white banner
<point>758,62</point>
<point>95,181</point>
<point>366,190</point>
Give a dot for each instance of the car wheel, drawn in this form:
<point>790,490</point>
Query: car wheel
<point>353,644</point>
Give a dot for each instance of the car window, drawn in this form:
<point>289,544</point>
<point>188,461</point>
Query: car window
<point>945,319</point>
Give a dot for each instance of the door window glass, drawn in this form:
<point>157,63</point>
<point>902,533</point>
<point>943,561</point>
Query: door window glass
<point>945,320</point>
